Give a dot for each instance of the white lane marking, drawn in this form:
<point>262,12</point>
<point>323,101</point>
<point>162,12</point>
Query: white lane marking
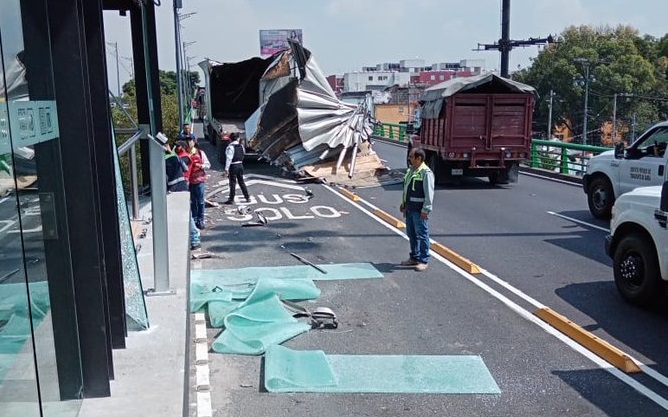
<point>545,177</point>
<point>204,404</point>
<point>642,389</point>
<point>593,226</point>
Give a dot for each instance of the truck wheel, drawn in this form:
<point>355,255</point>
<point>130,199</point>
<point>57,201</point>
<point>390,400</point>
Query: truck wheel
<point>436,166</point>
<point>600,197</point>
<point>636,269</point>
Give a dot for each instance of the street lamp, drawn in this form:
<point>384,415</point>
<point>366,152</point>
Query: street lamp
<point>178,17</point>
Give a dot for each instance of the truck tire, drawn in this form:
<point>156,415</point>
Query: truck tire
<point>636,270</point>
<point>600,197</point>
<point>436,166</point>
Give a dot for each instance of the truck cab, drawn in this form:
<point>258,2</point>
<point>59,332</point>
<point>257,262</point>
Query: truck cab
<point>638,244</point>
<point>615,172</point>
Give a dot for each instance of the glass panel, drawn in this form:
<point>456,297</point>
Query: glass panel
<point>29,127</point>
<point>18,376</point>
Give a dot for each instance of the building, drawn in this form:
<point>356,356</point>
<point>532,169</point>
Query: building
<point>408,71</point>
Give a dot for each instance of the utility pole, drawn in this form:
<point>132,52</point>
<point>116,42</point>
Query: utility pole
<point>614,119</point>
<point>505,44</point>
<point>549,117</point>
<point>586,63</point>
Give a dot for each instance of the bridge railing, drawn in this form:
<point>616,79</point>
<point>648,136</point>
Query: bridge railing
<point>392,131</point>
<point>561,157</point>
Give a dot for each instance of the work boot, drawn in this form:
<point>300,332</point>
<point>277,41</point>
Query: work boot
<point>228,202</point>
<point>420,267</point>
<point>409,262</point>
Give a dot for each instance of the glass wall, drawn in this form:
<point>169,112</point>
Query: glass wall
<point>29,374</point>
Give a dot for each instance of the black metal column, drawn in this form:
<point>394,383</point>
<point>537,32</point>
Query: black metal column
<point>77,141</point>
<point>105,169</point>
<point>504,43</point>
<point>37,60</point>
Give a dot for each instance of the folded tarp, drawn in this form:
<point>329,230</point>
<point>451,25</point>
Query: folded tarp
<point>289,370</point>
<point>253,316</point>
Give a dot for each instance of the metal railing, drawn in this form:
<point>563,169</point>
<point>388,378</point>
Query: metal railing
<point>130,146</point>
<point>393,131</point>
<point>562,157</point>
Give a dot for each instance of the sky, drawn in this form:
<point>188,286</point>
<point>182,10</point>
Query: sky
<point>345,35</point>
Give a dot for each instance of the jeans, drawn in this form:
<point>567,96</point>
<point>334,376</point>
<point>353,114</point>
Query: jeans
<point>417,230</point>
<point>197,202</point>
<point>194,234</point>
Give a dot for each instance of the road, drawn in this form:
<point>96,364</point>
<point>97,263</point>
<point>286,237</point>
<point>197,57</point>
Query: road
<point>529,257</point>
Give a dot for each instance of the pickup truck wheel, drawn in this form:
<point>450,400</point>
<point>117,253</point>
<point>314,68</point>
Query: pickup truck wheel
<point>636,270</point>
<point>600,197</point>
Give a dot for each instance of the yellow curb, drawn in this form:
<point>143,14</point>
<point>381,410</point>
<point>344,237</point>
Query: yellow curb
<point>390,219</point>
<point>455,258</point>
<point>350,194</point>
<point>600,347</point>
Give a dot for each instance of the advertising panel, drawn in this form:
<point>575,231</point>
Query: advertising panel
<point>276,40</point>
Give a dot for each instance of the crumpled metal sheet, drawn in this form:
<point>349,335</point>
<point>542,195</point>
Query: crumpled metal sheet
<point>300,120</point>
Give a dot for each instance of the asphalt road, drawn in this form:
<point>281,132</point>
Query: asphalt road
<point>508,231</point>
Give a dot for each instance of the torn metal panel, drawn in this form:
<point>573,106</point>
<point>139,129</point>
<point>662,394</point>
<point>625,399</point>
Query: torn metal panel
<point>300,121</point>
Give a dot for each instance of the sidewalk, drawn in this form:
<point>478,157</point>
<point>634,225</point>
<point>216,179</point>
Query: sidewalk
<point>150,377</point>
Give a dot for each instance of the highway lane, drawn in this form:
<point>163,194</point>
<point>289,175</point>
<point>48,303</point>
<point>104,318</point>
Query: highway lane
<point>510,232</point>
<point>439,311</point>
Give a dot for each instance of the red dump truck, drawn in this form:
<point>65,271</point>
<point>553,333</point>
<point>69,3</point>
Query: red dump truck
<point>476,126</point>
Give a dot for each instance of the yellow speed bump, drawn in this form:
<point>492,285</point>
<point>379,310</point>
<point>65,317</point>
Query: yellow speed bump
<point>455,258</point>
<point>350,194</point>
<point>600,347</point>
<point>389,219</point>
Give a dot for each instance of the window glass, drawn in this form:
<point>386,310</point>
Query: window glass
<point>29,374</point>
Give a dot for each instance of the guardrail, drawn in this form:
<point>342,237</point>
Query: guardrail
<point>393,131</point>
<point>562,157</point>
<point>555,156</point>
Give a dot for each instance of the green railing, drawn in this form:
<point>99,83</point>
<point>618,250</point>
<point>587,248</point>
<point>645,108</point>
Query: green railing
<point>393,131</point>
<point>562,157</point>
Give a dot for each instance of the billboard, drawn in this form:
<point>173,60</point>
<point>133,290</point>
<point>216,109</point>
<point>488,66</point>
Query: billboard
<point>272,41</point>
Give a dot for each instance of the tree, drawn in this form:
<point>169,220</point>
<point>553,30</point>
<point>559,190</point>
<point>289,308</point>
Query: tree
<point>618,61</point>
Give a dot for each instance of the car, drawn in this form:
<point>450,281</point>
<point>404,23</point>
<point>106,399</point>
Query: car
<point>638,244</point>
<point>615,172</point>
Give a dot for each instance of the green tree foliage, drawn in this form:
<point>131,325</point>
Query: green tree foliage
<point>125,116</point>
<point>620,61</point>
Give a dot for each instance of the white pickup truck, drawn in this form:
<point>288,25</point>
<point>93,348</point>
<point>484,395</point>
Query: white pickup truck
<point>615,172</point>
<point>638,244</point>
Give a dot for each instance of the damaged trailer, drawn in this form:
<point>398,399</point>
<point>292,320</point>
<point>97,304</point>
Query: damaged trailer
<point>297,122</point>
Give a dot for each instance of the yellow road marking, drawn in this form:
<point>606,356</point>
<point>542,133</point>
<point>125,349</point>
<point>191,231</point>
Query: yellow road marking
<point>350,194</point>
<point>599,346</point>
<point>389,219</point>
<point>455,258</point>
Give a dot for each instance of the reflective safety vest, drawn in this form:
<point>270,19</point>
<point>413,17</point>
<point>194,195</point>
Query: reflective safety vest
<point>413,196</point>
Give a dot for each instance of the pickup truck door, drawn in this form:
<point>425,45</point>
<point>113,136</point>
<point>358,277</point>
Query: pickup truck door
<point>642,166</point>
